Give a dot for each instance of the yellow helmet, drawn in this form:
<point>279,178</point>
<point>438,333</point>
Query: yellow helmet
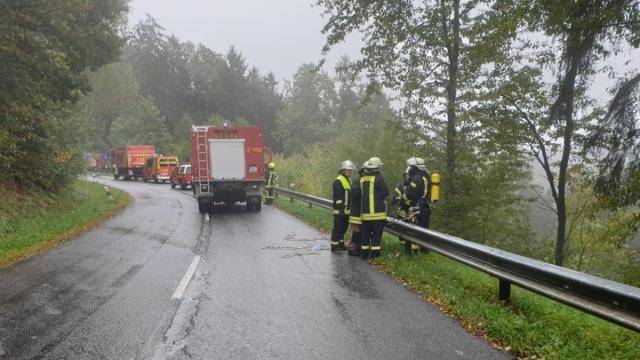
<point>272,165</point>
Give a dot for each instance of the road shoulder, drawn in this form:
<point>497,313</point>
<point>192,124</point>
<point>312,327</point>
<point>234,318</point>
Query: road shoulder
<point>35,222</point>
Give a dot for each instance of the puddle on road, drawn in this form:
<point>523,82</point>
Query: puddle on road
<point>310,246</point>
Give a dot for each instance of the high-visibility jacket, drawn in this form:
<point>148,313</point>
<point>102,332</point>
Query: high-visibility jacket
<point>356,202</point>
<point>341,195</point>
<point>272,177</point>
<point>374,191</point>
<point>418,189</point>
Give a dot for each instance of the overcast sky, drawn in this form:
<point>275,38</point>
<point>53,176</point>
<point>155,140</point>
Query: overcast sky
<point>274,35</point>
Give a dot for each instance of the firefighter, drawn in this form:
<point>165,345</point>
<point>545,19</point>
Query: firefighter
<point>418,194</point>
<point>355,218</point>
<point>271,178</point>
<point>374,215</point>
<point>399,205</point>
<point>341,205</point>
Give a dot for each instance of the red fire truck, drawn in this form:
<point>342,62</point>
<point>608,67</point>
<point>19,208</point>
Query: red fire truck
<point>128,161</point>
<point>227,166</point>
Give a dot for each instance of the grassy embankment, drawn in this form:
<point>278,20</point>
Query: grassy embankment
<point>532,327</point>
<point>34,222</point>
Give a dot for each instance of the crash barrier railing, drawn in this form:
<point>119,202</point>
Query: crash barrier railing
<point>612,301</point>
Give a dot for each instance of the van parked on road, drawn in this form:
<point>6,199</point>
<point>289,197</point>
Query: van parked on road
<point>181,176</point>
<point>159,168</point>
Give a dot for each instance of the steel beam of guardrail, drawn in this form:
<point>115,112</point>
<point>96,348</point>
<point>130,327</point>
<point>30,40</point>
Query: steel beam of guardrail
<point>612,301</point>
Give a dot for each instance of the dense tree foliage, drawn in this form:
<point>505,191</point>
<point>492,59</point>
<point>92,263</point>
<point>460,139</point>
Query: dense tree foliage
<point>431,53</point>
<point>614,143</point>
<point>579,36</point>
<point>184,78</point>
<point>45,49</point>
<point>163,86</point>
<point>309,112</point>
<point>479,68</point>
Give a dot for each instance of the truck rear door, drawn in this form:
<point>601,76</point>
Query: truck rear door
<point>227,159</point>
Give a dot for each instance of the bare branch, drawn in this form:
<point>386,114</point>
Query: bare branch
<point>544,161</point>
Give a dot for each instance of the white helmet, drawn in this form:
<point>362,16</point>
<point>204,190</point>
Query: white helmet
<point>373,163</point>
<point>417,163</point>
<point>347,165</point>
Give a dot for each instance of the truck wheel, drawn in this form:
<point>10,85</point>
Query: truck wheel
<point>116,176</point>
<point>258,206</point>
<point>203,208</point>
<point>144,179</point>
<point>155,179</point>
<point>211,207</point>
<point>173,186</point>
<point>183,187</point>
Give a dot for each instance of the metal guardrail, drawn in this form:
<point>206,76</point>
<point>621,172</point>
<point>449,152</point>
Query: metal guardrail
<point>610,300</point>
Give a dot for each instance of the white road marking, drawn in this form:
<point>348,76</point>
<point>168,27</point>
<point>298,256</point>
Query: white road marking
<point>187,278</point>
<point>206,217</point>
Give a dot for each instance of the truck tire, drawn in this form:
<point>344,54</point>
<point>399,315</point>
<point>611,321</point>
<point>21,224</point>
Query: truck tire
<point>211,208</point>
<point>258,206</point>
<point>155,179</point>
<point>203,208</point>
<point>116,176</point>
<point>173,186</point>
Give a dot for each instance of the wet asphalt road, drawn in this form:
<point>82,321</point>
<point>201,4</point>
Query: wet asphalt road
<point>266,287</point>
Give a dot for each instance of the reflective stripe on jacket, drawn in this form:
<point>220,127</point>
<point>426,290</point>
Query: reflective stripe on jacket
<point>417,192</point>
<point>271,176</point>
<point>341,195</point>
<point>374,191</point>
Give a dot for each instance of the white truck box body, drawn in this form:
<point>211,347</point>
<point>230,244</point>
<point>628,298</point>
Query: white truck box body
<point>227,159</point>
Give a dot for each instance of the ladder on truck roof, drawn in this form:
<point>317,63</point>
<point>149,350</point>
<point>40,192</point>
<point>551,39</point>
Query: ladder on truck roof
<point>202,155</point>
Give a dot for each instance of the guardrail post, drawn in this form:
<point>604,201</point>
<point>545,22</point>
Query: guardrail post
<point>407,247</point>
<point>504,290</point>
<point>310,206</point>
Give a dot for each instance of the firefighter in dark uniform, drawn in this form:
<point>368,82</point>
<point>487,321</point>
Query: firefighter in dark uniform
<point>418,194</point>
<point>271,178</point>
<point>399,205</point>
<point>341,205</point>
<point>355,218</point>
<point>374,215</point>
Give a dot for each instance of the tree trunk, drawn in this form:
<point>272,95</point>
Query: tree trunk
<point>563,110</point>
<point>452,96</point>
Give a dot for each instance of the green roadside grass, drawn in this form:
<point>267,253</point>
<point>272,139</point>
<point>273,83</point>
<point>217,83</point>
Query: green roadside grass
<point>33,222</point>
<point>530,327</point>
